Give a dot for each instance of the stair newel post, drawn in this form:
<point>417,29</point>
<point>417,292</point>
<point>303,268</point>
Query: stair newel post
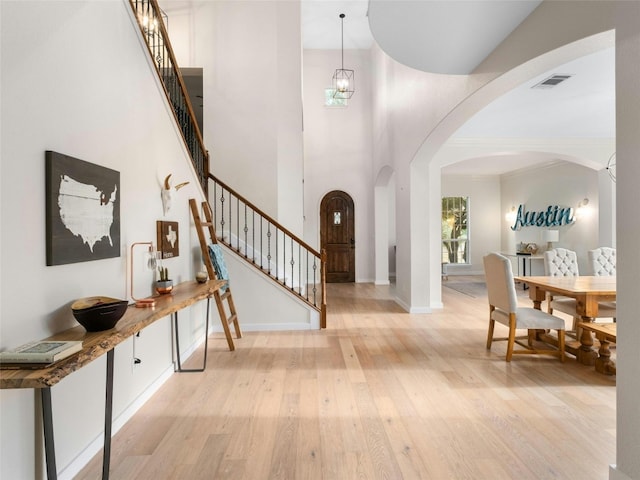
<point>323,288</point>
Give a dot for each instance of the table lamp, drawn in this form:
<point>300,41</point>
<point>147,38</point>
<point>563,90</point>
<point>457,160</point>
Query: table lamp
<point>550,236</point>
<point>151,262</point>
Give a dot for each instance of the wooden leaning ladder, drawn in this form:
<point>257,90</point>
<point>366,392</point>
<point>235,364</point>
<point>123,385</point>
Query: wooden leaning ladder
<point>219,297</point>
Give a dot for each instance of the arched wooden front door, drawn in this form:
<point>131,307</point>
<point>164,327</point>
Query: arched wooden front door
<point>337,236</point>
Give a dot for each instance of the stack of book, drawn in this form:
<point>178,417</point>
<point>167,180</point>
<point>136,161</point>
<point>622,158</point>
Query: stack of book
<point>41,354</point>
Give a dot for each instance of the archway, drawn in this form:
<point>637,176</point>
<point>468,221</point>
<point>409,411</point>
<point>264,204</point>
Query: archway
<point>384,226</point>
<point>425,282</point>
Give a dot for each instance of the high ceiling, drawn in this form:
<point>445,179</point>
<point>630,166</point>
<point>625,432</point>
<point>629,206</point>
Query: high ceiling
<point>321,24</point>
<point>440,36</point>
<point>583,106</point>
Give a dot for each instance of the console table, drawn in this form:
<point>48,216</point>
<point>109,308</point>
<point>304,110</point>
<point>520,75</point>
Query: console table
<point>96,344</point>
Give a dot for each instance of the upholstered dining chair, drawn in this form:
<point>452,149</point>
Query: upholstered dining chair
<point>503,308</point>
<point>602,263</point>
<point>561,262</point>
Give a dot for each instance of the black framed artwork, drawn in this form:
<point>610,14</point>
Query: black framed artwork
<point>82,210</point>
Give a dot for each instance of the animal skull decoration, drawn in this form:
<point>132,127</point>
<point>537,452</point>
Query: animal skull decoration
<point>167,193</point>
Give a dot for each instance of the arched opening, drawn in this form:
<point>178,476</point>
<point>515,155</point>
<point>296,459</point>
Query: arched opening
<point>385,226</point>
<point>426,166</point>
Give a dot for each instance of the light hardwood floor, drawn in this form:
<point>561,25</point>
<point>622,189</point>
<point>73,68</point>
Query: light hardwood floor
<point>379,394</point>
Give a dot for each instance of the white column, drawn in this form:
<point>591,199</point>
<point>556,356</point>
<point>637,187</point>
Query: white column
<point>628,234</point>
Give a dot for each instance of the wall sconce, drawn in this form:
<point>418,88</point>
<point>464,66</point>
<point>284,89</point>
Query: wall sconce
<point>151,263</point>
<point>583,210</point>
<point>510,216</point>
<point>550,236</point>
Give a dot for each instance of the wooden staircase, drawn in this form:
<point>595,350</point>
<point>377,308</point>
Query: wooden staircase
<point>228,315</point>
<point>263,242</point>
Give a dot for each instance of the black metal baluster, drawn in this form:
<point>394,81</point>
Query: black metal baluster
<point>306,280</point>
<point>246,230</point>
<point>222,212</point>
<point>292,265</point>
<point>315,268</point>
<point>299,269</point>
<point>269,247</point>
<point>237,224</point>
<point>215,203</point>
<point>230,222</point>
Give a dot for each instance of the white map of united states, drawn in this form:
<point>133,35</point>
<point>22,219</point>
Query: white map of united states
<point>85,211</point>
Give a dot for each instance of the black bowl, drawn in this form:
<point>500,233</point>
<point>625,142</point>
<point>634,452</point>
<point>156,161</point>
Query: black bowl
<point>96,314</point>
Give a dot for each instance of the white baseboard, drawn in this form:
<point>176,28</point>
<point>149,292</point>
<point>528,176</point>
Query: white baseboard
<point>615,474</point>
<point>410,309</point>
<point>78,463</point>
<point>420,310</point>
<point>274,327</point>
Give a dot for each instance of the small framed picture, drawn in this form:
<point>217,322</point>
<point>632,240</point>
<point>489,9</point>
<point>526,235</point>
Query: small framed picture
<point>168,245</point>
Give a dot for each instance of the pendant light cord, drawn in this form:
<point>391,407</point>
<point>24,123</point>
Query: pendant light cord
<point>342,37</point>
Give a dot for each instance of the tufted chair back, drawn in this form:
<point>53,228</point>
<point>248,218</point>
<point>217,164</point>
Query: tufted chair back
<point>560,262</point>
<point>602,261</point>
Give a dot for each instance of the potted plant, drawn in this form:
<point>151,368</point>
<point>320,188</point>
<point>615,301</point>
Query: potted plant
<point>164,284</point>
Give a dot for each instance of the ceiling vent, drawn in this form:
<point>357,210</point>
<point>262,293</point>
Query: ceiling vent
<point>552,81</point>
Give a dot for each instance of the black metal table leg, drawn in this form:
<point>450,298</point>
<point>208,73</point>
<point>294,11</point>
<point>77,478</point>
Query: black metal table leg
<point>47,417</point>
<point>108,413</point>
<point>49,446</point>
<point>206,343</point>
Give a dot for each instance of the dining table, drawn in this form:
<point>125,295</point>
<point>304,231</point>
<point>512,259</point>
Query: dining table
<point>588,291</point>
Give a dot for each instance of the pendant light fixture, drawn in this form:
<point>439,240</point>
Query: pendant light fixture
<point>343,80</point>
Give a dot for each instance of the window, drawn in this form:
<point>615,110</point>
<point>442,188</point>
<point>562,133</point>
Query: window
<point>455,235</point>
<point>329,101</point>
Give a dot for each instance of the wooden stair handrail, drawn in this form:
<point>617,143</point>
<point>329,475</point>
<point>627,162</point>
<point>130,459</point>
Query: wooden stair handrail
<point>181,84</point>
<point>266,216</point>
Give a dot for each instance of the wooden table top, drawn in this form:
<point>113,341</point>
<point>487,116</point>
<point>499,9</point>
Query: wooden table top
<point>592,285</point>
<point>95,344</point>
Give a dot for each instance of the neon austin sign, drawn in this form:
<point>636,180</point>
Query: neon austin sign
<point>553,216</point>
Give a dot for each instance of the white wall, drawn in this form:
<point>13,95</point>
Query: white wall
<point>252,96</point>
<point>563,184</point>
<point>276,309</point>
<point>337,149</point>
<point>77,80</point>
<point>558,183</point>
